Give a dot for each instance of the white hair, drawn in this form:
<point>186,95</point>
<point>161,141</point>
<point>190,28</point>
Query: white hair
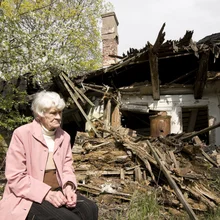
<point>45,100</point>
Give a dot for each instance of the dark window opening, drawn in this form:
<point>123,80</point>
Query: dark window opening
<point>196,119</point>
<point>140,122</point>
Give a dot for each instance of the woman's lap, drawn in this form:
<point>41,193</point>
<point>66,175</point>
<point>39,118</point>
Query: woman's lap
<point>85,210</point>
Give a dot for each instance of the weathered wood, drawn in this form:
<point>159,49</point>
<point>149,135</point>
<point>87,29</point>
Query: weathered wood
<point>70,83</point>
<point>115,56</point>
<point>201,75</point>
<point>144,156</point>
<point>181,77</point>
<point>80,94</point>
<point>193,176</point>
<point>116,117</point>
<point>138,174</point>
<point>168,141</point>
<point>176,136</point>
<point>95,86</point>
<point>95,147</point>
<point>209,158</point>
<point>207,193</point>
<point>122,174</point>
<point>186,40</point>
<point>172,156</point>
<point>153,60</point>
<point>135,108</point>
<point>78,105</point>
<point>95,90</point>
<point>136,161</point>
<point>200,197</point>
<point>107,114</point>
<point>193,134</point>
<point>173,184</point>
<point>99,191</point>
<point>105,172</point>
<point>89,189</point>
<point>160,39</point>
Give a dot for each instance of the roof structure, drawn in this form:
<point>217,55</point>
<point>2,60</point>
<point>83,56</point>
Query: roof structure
<point>180,62</point>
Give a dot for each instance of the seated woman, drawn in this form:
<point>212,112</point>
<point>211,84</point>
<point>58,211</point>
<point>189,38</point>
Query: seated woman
<point>41,183</point>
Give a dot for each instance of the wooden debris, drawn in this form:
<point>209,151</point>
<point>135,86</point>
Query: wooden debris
<point>193,134</point>
<point>72,95</point>
<point>173,184</point>
<point>119,162</point>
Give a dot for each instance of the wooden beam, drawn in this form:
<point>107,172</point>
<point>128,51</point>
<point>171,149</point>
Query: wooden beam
<point>185,41</point>
<point>201,76</point>
<point>160,39</point>
<point>135,108</point>
<point>107,114</point>
<point>116,117</point>
<point>153,61</point>
<point>77,91</point>
<point>72,95</point>
<point>193,134</point>
<point>173,184</point>
<point>182,77</point>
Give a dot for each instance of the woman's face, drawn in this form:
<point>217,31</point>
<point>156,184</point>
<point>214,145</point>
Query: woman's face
<point>52,119</point>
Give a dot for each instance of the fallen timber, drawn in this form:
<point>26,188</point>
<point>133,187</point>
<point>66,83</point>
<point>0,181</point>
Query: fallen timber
<point>173,184</point>
<point>193,134</point>
<point>117,164</point>
<point>110,168</point>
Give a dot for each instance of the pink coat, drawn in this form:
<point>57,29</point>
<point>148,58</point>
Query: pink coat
<point>25,165</point>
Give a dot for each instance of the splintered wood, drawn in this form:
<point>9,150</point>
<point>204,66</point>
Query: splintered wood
<point>115,164</point>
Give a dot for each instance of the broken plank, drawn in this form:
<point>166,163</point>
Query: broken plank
<point>173,184</point>
<point>193,134</point>
<point>78,105</point>
<point>201,76</point>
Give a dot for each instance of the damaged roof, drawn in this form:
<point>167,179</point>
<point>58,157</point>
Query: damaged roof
<point>182,62</point>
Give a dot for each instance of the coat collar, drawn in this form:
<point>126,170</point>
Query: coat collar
<point>38,134</point>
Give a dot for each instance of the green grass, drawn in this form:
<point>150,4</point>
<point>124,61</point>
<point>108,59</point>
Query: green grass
<point>144,206</point>
<point>215,215</point>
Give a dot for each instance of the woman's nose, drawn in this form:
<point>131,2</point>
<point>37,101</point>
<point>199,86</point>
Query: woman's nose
<point>58,115</point>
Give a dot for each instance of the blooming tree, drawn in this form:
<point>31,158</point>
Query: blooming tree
<point>36,35</point>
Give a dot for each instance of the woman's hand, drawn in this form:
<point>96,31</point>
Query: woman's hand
<point>71,196</point>
<point>56,198</point>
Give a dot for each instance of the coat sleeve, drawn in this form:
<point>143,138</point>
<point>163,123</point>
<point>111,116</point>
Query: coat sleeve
<point>68,174</point>
<point>19,182</point>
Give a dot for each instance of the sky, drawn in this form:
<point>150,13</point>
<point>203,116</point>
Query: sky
<point>141,20</point>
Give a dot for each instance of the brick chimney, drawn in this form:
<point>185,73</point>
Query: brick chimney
<point>109,38</point>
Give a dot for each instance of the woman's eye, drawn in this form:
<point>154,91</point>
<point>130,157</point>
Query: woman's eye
<point>55,113</point>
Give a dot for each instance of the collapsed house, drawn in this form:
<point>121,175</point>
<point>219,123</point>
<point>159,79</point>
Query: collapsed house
<point>162,91</point>
<point>167,87</point>
<point>138,110</point>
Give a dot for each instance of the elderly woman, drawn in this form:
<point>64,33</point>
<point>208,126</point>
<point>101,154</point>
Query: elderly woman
<point>41,183</point>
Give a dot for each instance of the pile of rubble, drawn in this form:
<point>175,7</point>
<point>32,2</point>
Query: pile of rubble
<point>112,167</point>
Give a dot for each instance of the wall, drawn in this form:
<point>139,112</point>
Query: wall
<point>173,104</point>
